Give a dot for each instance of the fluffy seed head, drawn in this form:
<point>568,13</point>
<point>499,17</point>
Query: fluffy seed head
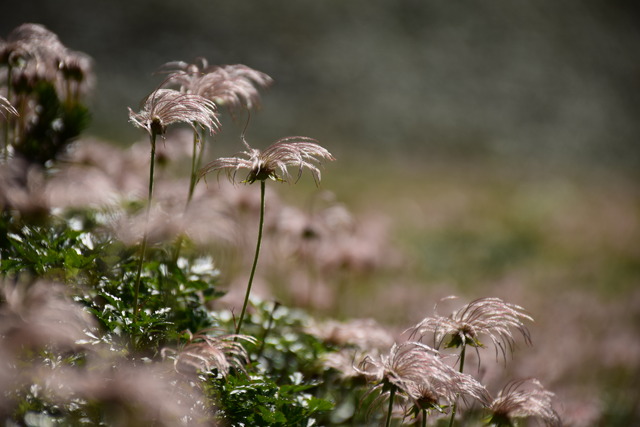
<point>523,399</point>
<point>164,107</point>
<point>491,317</point>
<point>273,162</point>
<point>36,54</point>
<point>420,374</point>
<point>233,86</point>
<point>205,353</point>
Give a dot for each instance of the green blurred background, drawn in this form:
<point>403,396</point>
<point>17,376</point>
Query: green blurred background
<point>542,81</point>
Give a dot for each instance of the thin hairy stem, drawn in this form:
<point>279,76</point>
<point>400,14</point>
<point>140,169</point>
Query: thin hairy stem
<point>192,186</point>
<point>392,395</point>
<point>255,258</point>
<point>194,166</point>
<point>455,404</point>
<point>143,246</point>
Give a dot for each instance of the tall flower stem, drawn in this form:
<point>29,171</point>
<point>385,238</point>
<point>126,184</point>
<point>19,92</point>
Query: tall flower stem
<point>194,166</point>
<point>424,418</point>
<point>255,258</point>
<point>455,404</point>
<point>392,395</point>
<point>143,246</point>
<point>193,179</point>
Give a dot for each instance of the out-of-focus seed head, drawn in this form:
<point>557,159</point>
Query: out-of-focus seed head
<point>523,399</point>
<point>232,86</point>
<point>206,353</point>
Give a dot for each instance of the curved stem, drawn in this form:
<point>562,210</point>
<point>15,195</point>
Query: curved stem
<point>194,165</point>
<point>392,395</point>
<point>255,258</point>
<point>143,247</point>
<point>455,404</point>
<point>192,185</point>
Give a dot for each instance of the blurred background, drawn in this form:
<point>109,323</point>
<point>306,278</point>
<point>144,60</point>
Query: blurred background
<point>542,81</point>
<point>492,145</point>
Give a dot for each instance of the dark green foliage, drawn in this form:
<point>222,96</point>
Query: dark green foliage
<point>53,251</point>
<point>53,128</point>
<point>284,348</point>
<point>283,386</point>
<point>260,401</point>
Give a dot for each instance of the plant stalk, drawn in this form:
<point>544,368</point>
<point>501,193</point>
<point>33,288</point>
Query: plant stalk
<point>255,258</point>
<point>455,404</point>
<point>392,395</point>
<point>194,165</point>
<point>143,246</point>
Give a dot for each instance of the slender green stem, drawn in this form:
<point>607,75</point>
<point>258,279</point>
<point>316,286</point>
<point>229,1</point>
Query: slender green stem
<point>424,418</point>
<point>392,395</point>
<point>196,161</point>
<point>192,185</point>
<point>194,165</point>
<point>203,137</point>
<point>462,357</point>
<point>455,404</point>
<point>143,246</point>
<point>255,258</point>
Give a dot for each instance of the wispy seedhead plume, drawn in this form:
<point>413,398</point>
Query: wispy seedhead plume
<point>127,395</point>
<point>417,371</point>
<point>164,107</point>
<point>489,317</point>
<point>22,189</point>
<point>232,86</point>
<point>34,44</point>
<point>206,353</point>
<point>34,53</point>
<point>523,399</point>
<point>40,315</point>
<point>274,161</point>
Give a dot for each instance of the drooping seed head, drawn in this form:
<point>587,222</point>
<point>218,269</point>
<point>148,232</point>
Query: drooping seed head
<point>490,317</point>
<point>164,107</point>
<point>523,399</point>
<point>205,353</point>
<point>273,162</point>
<point>418,372</point>
<point>233,86</point>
